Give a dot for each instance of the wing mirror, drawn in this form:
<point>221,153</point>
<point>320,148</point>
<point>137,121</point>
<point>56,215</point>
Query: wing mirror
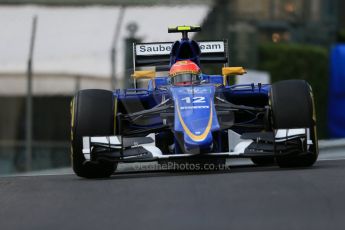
<point>144,74</point>
<point>231,71</point>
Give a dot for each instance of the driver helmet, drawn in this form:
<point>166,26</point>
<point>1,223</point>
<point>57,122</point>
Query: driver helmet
<point>184,73</point>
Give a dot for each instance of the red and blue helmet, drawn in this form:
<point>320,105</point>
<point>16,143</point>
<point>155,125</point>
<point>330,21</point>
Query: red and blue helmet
<point>184,73</point>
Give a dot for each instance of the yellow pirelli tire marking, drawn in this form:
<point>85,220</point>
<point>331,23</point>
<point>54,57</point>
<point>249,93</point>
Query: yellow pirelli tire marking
<point>72,117</point>
<point>72,125</point>
<point>115,112</point>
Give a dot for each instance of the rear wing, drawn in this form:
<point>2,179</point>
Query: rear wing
<point>157,54</point>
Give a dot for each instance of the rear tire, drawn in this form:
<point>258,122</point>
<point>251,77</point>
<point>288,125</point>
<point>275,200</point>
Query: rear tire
<point>292,106</point>
<point>92,114</point>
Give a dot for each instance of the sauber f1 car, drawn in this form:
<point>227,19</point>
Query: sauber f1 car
<point>190,116</point>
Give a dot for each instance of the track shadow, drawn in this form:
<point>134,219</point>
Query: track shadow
<point>173,173</point>
<point>233,169</point>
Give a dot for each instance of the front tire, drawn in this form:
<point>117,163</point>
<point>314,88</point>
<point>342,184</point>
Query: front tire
<point>92,114</point>
<point>292,106</point>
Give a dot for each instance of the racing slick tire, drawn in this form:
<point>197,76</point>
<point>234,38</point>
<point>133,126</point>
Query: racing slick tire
<point>293,106</point>
<point>92,114</point>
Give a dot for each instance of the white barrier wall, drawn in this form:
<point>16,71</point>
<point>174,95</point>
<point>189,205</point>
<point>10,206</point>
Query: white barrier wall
<point>77,40</point>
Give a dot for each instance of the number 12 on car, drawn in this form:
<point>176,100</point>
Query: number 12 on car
<point>193,100</point>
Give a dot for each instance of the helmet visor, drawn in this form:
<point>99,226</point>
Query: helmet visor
<point>186,79</point>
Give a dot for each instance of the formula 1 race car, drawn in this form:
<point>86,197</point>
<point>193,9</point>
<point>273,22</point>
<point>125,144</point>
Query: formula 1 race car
<point>190,116</point>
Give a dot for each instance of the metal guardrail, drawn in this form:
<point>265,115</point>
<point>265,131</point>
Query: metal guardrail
<point>331,144</point>
<point>44,144</point>
<point>45,155</point>
<point>332,149</point>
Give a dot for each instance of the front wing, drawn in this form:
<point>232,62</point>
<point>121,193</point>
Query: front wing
<point>143,149</point>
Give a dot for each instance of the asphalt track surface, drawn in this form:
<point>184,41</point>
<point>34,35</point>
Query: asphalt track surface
<point>243,197</point>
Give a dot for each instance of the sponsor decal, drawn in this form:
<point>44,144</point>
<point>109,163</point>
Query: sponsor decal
<point>193,90</point>
<point>195,107</point>
<point>148,49</point>
<point>212,47</point>
<point>153,49</point>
